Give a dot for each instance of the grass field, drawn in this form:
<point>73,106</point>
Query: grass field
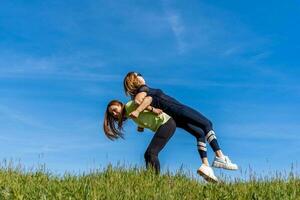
<point>137,183</point>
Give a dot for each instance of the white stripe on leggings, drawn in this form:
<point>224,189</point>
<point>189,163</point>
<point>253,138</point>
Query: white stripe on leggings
<point>210,136</point>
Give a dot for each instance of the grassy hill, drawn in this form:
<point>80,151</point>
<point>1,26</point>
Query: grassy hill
<point>136,183</point>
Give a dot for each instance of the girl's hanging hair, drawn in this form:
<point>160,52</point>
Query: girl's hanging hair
<point>113,126</point>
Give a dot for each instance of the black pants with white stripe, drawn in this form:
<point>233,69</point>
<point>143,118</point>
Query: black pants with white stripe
<point>199,126</point>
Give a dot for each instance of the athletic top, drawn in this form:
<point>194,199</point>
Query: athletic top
<point>162,101</point>
<point>146,119</point>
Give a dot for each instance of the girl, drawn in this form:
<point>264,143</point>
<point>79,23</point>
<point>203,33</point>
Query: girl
<point>185,117</point>
<point>162,124</point>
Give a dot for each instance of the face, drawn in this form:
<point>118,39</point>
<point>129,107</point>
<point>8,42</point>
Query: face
<point>140,78</point>
<point>115,110</point>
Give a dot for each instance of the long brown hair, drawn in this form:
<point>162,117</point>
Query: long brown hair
<point>131,83</point>
<point>113,126</point>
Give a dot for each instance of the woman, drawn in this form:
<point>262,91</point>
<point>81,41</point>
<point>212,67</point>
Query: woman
<point>163,126</point>
<point>159,122</point>
<point>185,117</point>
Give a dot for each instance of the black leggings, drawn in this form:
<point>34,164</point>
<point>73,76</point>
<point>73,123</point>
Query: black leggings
<point>188,115</point>
<point>159,140</point>
<point>200,127</point>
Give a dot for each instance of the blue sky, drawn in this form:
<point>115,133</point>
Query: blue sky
<point>235,61</point>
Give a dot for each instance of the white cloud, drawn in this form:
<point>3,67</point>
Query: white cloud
<point>178,30</point>
<point>19,117</point>
<point>220,35</point>
<point>232,51</point>
<point>74,67</point>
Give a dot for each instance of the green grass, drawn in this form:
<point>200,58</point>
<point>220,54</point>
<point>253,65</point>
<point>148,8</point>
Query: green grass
<point>136,183</point>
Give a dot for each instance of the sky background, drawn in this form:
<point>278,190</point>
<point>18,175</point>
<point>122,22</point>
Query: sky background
<point>61,62</point>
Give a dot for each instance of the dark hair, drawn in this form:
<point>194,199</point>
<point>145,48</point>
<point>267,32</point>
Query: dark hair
<point>113,126</point>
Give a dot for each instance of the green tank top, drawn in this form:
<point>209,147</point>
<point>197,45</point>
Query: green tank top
<point>146,119</point>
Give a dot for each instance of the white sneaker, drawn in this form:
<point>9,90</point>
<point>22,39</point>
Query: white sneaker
<point>224,163</point>
<point>207,173</point>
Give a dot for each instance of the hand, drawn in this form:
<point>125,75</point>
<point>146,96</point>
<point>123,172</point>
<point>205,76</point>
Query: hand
<point>140,129</point>
<point>135,114</point>
<point>157,111</point>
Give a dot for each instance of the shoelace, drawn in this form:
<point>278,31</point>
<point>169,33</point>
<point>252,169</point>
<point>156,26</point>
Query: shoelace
<point>227,159</point>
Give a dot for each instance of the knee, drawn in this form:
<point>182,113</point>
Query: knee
<point>209,125</point>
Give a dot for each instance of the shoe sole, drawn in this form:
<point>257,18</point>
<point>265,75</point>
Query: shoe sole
<point>223,166</point>
<point>207,178</point>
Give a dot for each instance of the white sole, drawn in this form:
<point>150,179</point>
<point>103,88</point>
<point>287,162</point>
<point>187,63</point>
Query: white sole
<point>222,165</point>
<point>206,177</point>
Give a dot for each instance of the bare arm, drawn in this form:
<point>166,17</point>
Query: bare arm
<point>139,99</point>
<point>143,105</point>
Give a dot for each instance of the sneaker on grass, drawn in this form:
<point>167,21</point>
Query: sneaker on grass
<point>207,173</point>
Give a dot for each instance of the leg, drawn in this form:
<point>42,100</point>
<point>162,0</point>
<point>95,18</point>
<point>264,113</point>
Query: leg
<point>196,119</point>
<point>199,135</point>
<point>204,170</point>
<point>159,140</point>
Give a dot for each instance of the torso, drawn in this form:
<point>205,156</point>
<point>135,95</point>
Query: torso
<point>164,102</point>
<point>146,118</point>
